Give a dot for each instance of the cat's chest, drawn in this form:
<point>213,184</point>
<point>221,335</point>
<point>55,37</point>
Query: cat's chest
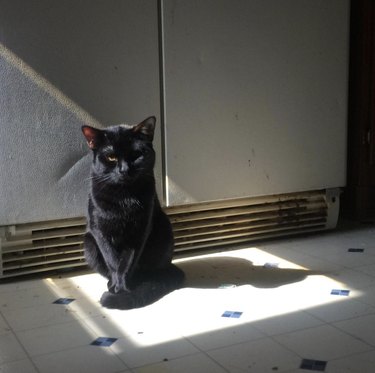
<point>121,229</point>
<point>124,215</point>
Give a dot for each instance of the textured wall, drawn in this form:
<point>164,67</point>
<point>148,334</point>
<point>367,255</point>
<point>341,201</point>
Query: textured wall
<point>63,64</point>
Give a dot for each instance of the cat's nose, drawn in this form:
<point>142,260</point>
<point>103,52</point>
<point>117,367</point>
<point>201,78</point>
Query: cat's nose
<point>123,168</point>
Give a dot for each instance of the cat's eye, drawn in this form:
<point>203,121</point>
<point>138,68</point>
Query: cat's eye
<point>136,155</point>
<point>111,158</point>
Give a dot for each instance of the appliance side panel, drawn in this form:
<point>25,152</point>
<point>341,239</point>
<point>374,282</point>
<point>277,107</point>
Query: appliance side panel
<point>256,97</point>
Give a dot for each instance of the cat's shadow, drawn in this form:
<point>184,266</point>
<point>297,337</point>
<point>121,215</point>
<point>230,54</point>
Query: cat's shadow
<point>215,272</point>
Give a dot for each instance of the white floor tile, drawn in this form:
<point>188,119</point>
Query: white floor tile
<point>90,285</point>
<point>347,308</point>
<point>26,298</point>
<point>19,284</point>
<point>106,326</point>
<point>354,279</point>
<point>134,355</point>
<point>91,359</point>
<point>197,363</point>
<point>363,363</point>
<point>367,269</point>
<point>20,366</point>
<point>226,336</point>
<point>34,317</point>
<point>322,343</point>
<point>259,356</point>
<point>287,323</point>
<point>305,259</point>
<point>337,253</point>
<point>83,308</point>
<point>362,328</point>
<point>10,349</point>
<point>64,288</point>
<point>368,296</point>
<point>55,338</point>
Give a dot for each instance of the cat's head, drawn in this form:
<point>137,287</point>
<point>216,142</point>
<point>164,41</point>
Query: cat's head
<point>122,154</point>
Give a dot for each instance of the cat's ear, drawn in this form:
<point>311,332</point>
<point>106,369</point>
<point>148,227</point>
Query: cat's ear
<point>147,127</point>
<point>93,136</point>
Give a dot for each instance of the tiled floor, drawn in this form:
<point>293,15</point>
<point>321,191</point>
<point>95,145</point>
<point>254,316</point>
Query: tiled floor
<point>291,305</point>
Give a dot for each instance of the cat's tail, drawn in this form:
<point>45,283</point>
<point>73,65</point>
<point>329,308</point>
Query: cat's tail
<point>153,286</point>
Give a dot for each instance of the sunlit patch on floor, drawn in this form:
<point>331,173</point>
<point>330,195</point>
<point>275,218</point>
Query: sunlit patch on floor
<point>240,281</point>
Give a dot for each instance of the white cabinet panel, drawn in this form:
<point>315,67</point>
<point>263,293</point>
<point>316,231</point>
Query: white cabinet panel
<point>255,95</point>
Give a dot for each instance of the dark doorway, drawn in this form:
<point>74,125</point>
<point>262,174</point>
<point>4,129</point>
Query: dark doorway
<point>359,196</point>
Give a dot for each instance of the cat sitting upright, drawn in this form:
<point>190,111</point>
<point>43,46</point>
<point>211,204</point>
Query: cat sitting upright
<point>129,238</point>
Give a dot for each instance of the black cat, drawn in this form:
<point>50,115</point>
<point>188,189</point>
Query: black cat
<point>129,238</point>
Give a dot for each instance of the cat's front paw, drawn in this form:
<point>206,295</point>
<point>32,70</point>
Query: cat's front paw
<point>123,301</point>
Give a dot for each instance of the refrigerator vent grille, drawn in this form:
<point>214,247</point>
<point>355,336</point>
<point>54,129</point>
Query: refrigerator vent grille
<point>57,245</point>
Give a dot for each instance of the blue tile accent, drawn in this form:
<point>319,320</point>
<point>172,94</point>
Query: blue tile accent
<point>232,314</point>
<point>64,301</point>
<point>356,250</point>
<point>316,365</point>
<point>237,315</point>
<point>227,314</point>
<point>104,341</point>
<point>341,292</point>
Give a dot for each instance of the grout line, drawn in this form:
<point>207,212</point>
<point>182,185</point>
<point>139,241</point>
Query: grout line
<point>170,359</point>
<point>352,355</point>
<point>287,348</point>
<point>21,345</point>
<point>207,355</point>
<point>352,335</point>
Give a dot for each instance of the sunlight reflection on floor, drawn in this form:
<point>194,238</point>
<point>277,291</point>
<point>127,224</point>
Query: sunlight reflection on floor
<point>270,286</point>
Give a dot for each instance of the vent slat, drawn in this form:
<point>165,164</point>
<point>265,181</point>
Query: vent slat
<point>248,232</point>
<point>218,230</point>
<point>40,261</point>
<point>290,207</point>
<point>41,253</point>
<point>51,224</point>
<point>243,239</point>
<point>247,201</point>
<point>50,233</point>
<point>43,268</point>
<point>57,242</point>
<point>252,219</point>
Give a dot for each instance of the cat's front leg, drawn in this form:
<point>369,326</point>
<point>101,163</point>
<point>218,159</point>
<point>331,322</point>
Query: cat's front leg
<point>118,283</point>
<point>94,257</point>
<point>120,278</point>
<point>112,283</point>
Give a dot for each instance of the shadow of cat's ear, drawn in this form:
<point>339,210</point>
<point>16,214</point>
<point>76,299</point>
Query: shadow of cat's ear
<point>147,127</point>
<point>92,136</point>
